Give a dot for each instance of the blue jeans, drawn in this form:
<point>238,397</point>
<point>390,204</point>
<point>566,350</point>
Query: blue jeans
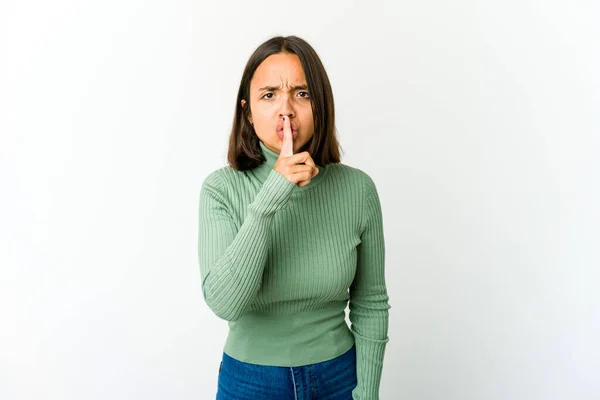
<point>329,380</point>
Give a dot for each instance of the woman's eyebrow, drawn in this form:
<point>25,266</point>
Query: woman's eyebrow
<point>273,88</point>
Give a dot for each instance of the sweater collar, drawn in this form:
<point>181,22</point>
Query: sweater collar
<point>271,157</point>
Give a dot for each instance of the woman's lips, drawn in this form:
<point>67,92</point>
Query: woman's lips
<point>280,126</point>
<point>294,134</point>
<point>279,129</point>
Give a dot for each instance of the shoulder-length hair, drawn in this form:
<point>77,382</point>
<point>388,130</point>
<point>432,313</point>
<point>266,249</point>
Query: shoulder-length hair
<point>244,149</point>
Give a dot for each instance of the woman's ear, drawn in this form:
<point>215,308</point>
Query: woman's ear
<point>246,112</point>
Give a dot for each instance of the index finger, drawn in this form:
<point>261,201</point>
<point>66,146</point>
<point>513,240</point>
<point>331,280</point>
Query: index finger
<point>287,148</point>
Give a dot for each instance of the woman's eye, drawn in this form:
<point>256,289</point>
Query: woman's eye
<point>301,94</point>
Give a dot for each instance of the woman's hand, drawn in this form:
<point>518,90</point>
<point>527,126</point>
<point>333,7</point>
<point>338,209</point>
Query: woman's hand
<point>297,168</point>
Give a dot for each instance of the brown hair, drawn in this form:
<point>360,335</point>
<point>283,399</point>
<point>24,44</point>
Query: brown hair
<point>244,148</point>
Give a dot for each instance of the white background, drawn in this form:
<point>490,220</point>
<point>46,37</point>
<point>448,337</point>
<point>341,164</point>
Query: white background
<point>478,120</point>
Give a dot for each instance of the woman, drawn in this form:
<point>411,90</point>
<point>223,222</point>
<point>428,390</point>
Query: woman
<point>288,235</point>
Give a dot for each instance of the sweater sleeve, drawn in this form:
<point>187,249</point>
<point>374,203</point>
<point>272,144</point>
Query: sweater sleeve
<point>232,260</point>
<point>369,300</point>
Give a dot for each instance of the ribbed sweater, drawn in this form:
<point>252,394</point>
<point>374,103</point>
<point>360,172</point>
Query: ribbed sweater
<point>280,263</point>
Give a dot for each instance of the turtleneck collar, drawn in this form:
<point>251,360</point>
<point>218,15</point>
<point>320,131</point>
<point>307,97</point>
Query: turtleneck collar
<point>264,169</point>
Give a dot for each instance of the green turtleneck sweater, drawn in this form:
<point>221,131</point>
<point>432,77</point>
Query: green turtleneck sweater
<point>280,263</point>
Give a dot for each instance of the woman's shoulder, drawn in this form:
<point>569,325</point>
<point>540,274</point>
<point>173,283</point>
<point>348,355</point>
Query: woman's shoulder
<point>226,181</point>
<point>226,172</point>
<point>218,178</point>
<point>349,172</point>
<point>353,177</point>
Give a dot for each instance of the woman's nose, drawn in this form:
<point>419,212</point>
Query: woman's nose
<point>287,107</point>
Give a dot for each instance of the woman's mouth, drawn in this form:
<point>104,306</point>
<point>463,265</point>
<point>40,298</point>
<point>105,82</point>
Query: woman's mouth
<point>280,134</point>
<point>293,126</point>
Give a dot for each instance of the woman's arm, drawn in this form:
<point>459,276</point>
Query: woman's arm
<point>369,300</point>
<point>231,260</point>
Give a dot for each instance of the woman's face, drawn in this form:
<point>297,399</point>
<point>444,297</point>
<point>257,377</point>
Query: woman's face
<point>279,88</point>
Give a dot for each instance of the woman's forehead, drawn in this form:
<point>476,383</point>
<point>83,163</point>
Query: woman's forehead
<point>283,70</point>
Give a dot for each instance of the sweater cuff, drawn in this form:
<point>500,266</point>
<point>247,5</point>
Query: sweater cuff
<point>273,195</point>
<point>369,364</point>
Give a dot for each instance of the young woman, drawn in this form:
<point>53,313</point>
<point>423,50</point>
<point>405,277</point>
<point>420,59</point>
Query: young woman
<point>287,236</point>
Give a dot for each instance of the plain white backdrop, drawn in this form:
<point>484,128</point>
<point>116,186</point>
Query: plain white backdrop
<point>478,120</point>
